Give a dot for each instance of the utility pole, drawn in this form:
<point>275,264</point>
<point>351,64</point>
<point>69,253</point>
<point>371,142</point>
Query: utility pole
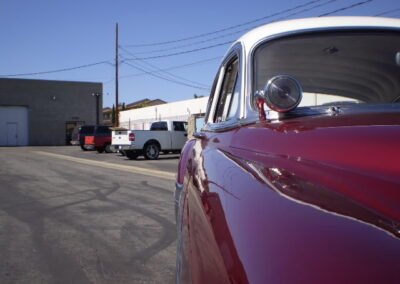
<point>116,78</point>
<point>97,96</point>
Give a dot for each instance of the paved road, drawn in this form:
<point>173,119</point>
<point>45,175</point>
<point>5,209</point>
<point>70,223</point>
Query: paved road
<point>68,216</point>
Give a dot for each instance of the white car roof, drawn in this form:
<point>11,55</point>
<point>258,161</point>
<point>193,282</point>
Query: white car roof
<point>251,38</point>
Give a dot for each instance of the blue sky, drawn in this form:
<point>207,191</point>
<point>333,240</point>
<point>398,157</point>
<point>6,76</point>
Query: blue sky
<point>46,35</point>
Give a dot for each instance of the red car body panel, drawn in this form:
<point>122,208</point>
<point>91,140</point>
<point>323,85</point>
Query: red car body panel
<point>102,141</point>
<point>295,177</point>
<point>267,203</point>
<point>99,139</point>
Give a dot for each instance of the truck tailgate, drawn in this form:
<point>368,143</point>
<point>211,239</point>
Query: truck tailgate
<point>89,140</point>
<point>120,137</point>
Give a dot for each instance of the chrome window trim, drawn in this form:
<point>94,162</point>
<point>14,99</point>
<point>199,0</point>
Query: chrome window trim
<point>237,50</point>
<point>215,95</point>
<point>177,197</point>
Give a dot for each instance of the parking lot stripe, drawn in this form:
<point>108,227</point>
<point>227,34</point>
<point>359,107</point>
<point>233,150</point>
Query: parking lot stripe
<point>131,169</point>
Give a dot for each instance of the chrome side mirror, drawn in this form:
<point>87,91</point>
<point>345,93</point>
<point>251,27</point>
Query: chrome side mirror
<point>282,93</point>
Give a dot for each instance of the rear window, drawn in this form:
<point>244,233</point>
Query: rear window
<point>103,130</point>
<point>86,130</point>
<point>347,67</point>
<point>160,126</point>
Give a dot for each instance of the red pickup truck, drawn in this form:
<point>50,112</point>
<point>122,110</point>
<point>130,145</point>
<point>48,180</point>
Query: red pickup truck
<point>101,139</point>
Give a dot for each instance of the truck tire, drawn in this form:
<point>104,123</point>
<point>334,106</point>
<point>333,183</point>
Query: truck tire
<point>100,150</point>
<point>108,148</point>
<point>151,151</point>
<point>83,148</point>
<point>131,155</point>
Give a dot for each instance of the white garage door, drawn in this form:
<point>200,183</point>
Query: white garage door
<point>13,126</point>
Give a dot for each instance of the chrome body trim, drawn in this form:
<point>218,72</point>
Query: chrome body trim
<point>177,197</point>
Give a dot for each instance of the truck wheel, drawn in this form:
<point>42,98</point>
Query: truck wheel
<point>131,155</point>
<point>83,148</point>
<point>100,150</point>
<point>108,148</point>
<point>151,151</point>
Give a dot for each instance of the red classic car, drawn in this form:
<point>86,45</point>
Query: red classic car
<point>295,177</point>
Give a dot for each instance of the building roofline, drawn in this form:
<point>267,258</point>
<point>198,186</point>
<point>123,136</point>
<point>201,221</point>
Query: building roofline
<point>52,81</point>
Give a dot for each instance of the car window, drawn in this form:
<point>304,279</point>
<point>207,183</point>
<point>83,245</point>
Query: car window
<point>228,93</point>
<point>335,68</point>
<point>86,130</point>
<point>199,122</point>
<point>103,130</point>
<point>211,99</point>
<point>234,104</point>
<point>159,126</point>
<point>179,125</point>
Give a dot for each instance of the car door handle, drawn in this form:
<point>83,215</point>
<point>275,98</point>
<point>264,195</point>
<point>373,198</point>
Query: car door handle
<point>199,135</point>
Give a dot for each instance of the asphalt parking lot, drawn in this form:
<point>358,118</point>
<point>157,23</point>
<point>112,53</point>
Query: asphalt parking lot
<point>71,216</point>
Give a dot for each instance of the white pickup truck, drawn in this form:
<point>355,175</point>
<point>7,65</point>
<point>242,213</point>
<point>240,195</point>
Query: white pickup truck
<point>163,136</point>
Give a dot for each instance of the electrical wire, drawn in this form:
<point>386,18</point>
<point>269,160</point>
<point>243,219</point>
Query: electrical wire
<point>58,70</point>
<point>174,79</point>
<point>190,44</point>
<point>163,71</point>
<point>346,8</point>
<point>387,12</point>
<point>219,44</point>
<point>168,76</point>
<point>181,52</point>
<point>225,29</point>
<point>235,32</point>
<point>174,67</point>
<point>167,79</point>
<point>231,33</point>
<point>228,42</point>
<point>202,35</point>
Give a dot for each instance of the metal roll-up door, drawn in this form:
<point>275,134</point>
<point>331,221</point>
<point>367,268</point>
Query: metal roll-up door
<point>13,126</point>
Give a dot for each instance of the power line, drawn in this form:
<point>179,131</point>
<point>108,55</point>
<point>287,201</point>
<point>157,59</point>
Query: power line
<point>174,67</point>
<point>165,69</point>
<point>219,44</point>
<point>387,12</point>
<point>176,77</point>
<point>300,12</point>
<point>346,8</point>
<point>189,44</point>
<point>165,72</point>
<point>225,29</point>
<point>57,70</point>
<point>181,52</point>
<point>229,42</point>
<point>205,34</point>
<point>166,79</point>
<point>231,33</point>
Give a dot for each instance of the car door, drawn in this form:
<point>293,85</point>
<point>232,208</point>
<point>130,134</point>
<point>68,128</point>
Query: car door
<point>212,254</point>
<point>179,134</point>
<point>159,132</point>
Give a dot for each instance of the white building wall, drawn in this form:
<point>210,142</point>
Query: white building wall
<point>143,117</point>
